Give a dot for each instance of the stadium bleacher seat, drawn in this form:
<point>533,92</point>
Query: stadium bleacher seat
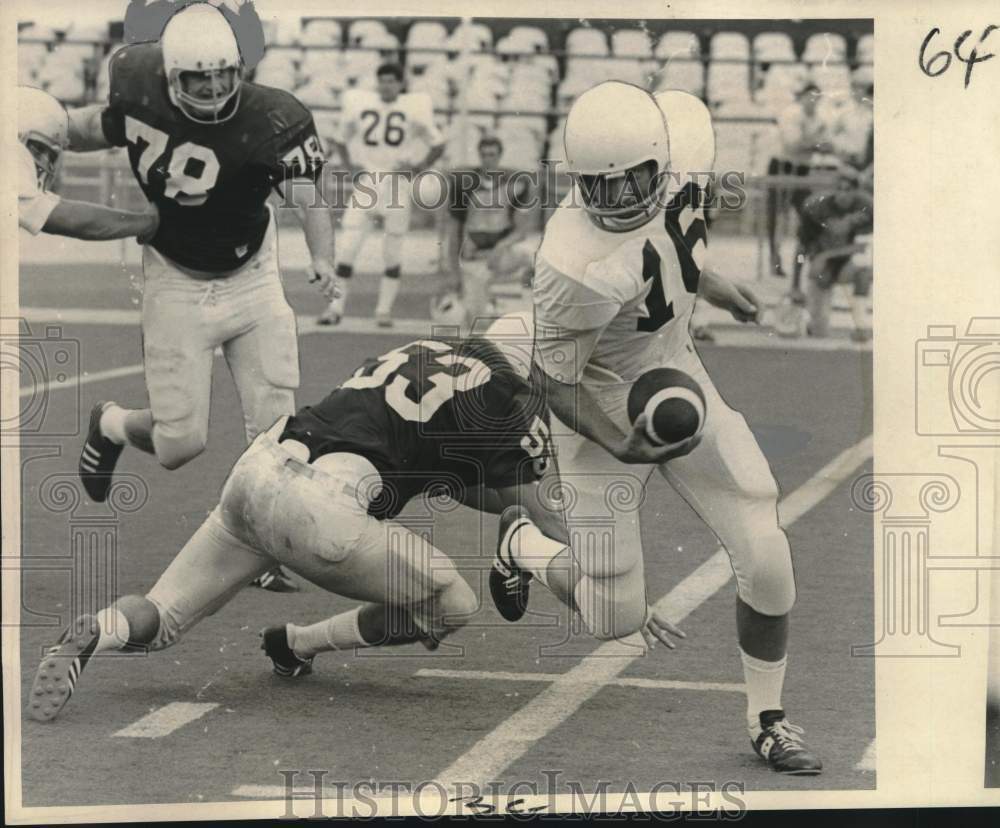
<point>632,43</point>
<point>287,30</point>
<point>425,34</point>
<point>279,67</point>
<point>361,30</point>
<point>30,59</point>
<point>738,145</point>
<point>866,49</point>
<point>684,75</point>
<point>832,78</point>
<point>781,83</point>
<point>824,46</point>
<point>317,92</point>
<point>321,32</point>
<point>529,38</point>
<point>729,45</point>
<point>586,41</point>
<point>523,138</point>
<point>727,82</point>
<point>472,37</point>
<point>325,64</point>
<point>679,54</point>
<point>677,44</point>
<point>770,46</point>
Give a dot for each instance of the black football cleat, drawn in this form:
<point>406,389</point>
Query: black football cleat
<point>508,582</point>
<point>61,667</point>
<point>98,457</point>
<point>274,643</point>
<point>275,580</point>
<point>780,745</point>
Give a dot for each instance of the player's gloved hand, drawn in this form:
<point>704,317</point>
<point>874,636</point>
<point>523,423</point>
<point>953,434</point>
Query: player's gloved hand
<point>638,448</point>
<point>152,212</point>
<point>658,628</point>
<point>325,278</point>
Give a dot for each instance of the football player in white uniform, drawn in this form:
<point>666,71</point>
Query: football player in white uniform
<point>43,132</point>
<point>616,278</point>
<point>381,136</point>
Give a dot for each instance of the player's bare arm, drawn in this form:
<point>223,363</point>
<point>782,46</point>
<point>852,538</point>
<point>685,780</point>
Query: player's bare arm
<point>86,133</point>
<point>94,222</point>
<point>737,298</point>
<point>317,222</point>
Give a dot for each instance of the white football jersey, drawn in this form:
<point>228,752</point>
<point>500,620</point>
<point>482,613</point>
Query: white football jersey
<point>382,136</point>
<point>622,301</point>
<point>34,205</point>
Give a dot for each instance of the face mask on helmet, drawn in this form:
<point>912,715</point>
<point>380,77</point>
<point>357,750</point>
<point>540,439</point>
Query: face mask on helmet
<point>46,156</point>
<point>623,200</point>
<point>208,96</point>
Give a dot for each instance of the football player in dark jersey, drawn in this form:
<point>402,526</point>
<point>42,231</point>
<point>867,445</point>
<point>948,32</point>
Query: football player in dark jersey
<point>319,492</point>
<point>207,148</point>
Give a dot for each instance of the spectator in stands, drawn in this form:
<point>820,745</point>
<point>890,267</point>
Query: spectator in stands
<point>835,236</point>
<point>802,133</point>
<point>146,19</point>
<point>852,127</point>
<point>487,219</point>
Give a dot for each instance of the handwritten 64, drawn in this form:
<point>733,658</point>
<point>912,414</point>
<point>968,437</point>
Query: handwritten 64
<point>938,63</point>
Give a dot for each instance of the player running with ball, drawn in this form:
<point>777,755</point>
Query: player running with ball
<point>207,148</point>
<point>616,278</point>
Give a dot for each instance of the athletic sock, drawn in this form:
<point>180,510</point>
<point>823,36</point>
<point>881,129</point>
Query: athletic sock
<point>530,550</point>
<point>114,630</point>
<point>764,680</point>
<point>387,290</point>
<point>337,633</point>
<point>113,424</point>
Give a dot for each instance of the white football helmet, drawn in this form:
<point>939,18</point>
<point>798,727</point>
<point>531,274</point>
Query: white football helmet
<point>43,127</point>
<point>203,64</point>
<point>618,152</point>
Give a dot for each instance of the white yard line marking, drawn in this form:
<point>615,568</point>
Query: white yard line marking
<point>653,684</point>
<point>513,737</point>
<point>77,382</point>
<point>867,762</point>
<point>165,720</point>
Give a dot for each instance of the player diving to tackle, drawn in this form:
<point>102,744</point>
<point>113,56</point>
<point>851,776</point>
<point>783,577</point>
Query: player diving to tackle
<point>389,136</point>
<point>42,132</point>
<point>616,278</point>
<point>319,492</point>
<point>207,148</point>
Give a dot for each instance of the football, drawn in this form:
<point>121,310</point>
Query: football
<point>673,403</point>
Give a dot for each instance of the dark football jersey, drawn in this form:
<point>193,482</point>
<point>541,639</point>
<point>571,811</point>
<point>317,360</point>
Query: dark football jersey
<point>432,416</point>
<point>210,181</point>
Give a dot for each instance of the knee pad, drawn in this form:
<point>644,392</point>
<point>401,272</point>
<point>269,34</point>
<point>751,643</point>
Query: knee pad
<point>768,583</point>
<point>176,446</point>
<point>612,607</point>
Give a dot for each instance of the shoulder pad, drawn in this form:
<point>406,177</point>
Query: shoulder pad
<point>132,69</point>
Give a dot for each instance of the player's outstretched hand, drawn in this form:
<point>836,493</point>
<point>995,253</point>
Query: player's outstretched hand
<point>638,448</point>
<point>658,628</point>
<point>745,305</point>
<point>324,277</point>
<point>152,212</point>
